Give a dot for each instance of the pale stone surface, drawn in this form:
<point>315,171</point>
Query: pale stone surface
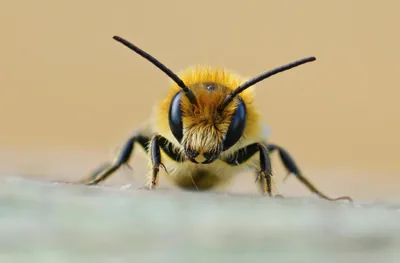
<point>47,222</point>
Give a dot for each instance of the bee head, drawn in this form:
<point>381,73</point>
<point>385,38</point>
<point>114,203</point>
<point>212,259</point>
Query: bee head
<point>207,118</point>
<point>203,130</point>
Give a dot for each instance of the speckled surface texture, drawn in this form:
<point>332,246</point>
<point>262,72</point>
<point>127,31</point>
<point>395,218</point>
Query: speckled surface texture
<point>48,222</point>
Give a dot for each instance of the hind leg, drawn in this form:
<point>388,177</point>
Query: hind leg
<point>292,168</point>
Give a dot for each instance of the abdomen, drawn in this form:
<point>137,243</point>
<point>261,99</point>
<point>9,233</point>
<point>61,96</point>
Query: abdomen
<point>190,176</point>
<point>199,179</point>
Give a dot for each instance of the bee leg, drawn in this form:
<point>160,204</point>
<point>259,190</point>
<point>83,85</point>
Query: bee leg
<point>157,143</point>
<point>106,170</point>
<point>292,168</point>
<point>243,154</point>
<point>155,159</point>
<point>265,165</point>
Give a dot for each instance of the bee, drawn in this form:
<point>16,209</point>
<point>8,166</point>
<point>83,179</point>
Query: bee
<point>205,131</point>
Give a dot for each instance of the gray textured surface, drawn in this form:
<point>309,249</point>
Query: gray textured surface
<point>46,222</point>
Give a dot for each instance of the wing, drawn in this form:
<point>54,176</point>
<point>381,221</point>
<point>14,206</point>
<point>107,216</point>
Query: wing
<point>266,130</point>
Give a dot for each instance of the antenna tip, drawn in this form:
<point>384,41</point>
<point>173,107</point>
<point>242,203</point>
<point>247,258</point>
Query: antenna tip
<point>116,37</point>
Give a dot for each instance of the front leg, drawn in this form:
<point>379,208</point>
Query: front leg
<point>155,155</point>
<point>243,154</point>
<point>157,143</point>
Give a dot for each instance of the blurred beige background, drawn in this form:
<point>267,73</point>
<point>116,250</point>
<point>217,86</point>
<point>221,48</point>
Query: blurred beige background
<point>71,94</point>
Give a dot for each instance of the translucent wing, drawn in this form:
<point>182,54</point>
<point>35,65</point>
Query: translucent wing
<point>266,132</point>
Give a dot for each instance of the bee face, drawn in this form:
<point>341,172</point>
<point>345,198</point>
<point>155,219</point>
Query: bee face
<point>203,132</point>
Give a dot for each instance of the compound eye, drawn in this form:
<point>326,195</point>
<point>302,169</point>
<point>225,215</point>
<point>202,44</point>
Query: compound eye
<point>236,128</point>
<point>175,116</point>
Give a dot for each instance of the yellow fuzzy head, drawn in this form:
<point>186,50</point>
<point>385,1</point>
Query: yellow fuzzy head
<point>202,131</point>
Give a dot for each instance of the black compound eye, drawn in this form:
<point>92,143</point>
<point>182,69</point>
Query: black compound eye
<point>175,117</point>
<point>236,128</point>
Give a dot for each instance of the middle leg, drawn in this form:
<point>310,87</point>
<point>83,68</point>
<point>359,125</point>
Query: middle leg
<point>106,170</point>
